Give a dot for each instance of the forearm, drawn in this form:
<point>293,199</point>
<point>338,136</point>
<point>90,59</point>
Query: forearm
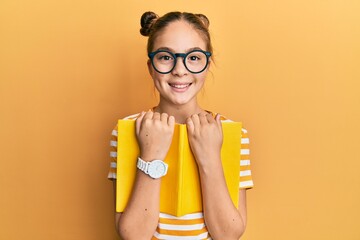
<point>140,217</point>
<point>222,218</point>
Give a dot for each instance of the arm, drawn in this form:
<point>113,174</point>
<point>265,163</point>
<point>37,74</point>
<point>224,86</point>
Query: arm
<point>140,217</point>
<point>223,219</point>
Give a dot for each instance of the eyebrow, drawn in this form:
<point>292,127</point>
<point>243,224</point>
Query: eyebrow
<point>172,50</point>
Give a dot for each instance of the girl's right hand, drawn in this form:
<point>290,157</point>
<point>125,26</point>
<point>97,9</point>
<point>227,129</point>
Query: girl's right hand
<point>154,132</point>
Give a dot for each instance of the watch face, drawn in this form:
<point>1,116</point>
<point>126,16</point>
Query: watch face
<point>157,169</point>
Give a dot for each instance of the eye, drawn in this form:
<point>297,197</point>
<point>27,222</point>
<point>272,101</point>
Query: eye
<point>164,56</point>
<point>194,58</point>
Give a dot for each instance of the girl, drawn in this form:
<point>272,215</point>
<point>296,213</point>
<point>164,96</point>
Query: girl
<point>179,50</point>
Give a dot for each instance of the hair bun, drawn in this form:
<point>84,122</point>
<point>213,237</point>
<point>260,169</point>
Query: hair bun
<point>203,19</point>
<point>146,21</point>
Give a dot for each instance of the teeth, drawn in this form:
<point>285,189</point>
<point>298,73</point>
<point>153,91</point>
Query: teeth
<point>180,86</point>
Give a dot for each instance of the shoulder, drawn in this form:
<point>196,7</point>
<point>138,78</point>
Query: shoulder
<point>129,117</point>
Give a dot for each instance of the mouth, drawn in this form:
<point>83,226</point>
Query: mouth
<point>179,86</point>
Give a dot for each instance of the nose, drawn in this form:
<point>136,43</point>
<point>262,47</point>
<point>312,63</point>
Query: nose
<point>179,68</point>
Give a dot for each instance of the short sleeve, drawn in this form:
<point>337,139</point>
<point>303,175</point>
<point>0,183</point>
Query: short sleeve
<point>114,146</point>
<point>113,154</point>
<point>245,181</point>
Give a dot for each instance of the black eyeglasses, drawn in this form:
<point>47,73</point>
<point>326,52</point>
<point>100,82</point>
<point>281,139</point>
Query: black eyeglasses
<point>194,61</point>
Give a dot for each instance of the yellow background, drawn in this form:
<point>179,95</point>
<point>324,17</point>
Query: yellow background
<point>289,70</point>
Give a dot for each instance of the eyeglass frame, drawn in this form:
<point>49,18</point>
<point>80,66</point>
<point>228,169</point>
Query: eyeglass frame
<point>175,56</point>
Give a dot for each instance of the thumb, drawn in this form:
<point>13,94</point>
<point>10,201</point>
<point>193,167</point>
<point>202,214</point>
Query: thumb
<point>218,121</point>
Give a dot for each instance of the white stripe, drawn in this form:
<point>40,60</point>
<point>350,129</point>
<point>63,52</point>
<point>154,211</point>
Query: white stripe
<point>245,173</point>
<point>244,130</point>
<point>244,162</point>
<point>226,120</point>
<point>113,143</point>
<point>113,154</point>
<point>113,164</point>
<point>185,217</point>
<point>245,151</point>
<point>114,133</point>
<point>164,236</point>
<point>132,116</point>
<point>245,141</point>
<point>182,227</point>
<point>112,175</point>
<point>246,184</point>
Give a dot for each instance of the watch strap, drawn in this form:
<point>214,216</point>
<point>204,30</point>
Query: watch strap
<point>143,165</point>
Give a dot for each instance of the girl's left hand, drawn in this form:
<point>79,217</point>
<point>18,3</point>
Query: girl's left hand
<point>205,137</point>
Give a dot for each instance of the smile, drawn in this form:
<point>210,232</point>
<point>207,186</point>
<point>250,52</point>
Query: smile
<point>179,86</point>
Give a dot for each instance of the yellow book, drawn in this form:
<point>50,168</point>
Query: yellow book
<point>180,188</point>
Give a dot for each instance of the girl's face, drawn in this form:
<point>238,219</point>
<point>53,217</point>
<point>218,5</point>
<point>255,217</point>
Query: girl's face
<point>180,86</point>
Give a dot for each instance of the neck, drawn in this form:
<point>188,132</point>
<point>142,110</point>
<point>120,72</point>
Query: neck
<point>180,112</point>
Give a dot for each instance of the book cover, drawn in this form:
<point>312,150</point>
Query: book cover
<point>180,187</point>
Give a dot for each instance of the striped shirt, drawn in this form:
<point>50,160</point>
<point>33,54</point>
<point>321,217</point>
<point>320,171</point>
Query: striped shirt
<point>190,226</point>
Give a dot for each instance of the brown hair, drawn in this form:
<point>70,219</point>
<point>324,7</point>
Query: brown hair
<point>152,25</point>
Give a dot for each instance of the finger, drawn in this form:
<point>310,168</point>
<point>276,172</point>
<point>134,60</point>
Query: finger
<point>171,121</point>
<point>148,115</point>
<point>138,122</point>
<point>164,117</point>
<point>196,120</point>
<point>218,118</point>
<point>203,118</point>
<point>210,118</point>
<point>156,116</point>
<point>140,116</point>
<point>190,125</point>
<point>218,121</point>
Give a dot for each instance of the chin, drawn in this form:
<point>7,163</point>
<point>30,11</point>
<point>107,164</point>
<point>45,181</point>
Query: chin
<point>180,101</point>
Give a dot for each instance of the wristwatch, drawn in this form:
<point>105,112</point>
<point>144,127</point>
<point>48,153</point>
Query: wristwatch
<point>155,169</point>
